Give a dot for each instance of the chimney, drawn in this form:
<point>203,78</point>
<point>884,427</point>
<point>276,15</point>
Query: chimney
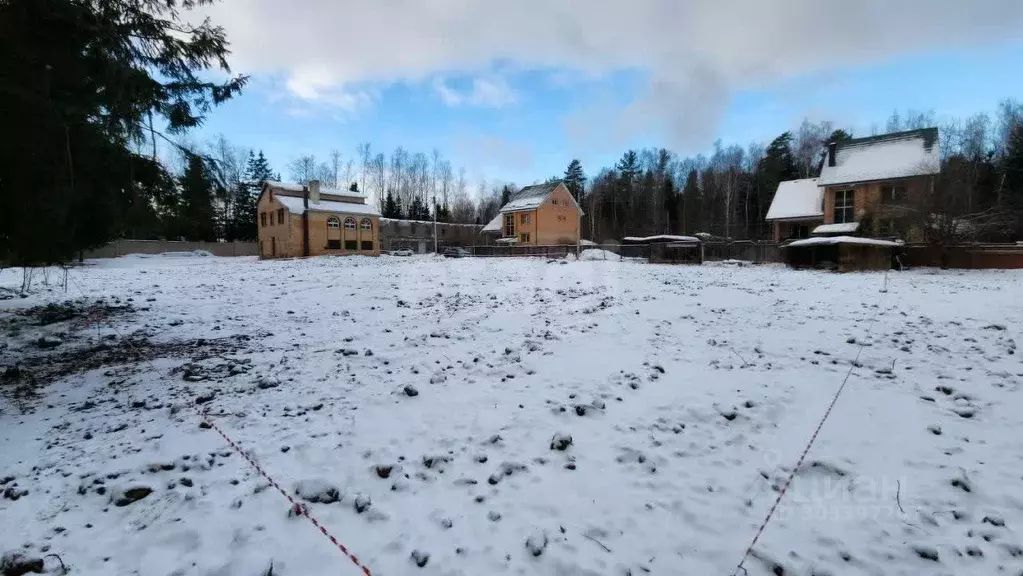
<point>832,147</point>
<point>314,191</point>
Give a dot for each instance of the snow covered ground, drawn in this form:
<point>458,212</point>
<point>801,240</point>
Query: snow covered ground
<point>434,394</point>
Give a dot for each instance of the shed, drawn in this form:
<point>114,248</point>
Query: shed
<point>841,253</point>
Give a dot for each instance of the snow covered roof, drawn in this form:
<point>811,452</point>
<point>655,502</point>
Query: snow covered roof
<point>884,157</point>
<point>508,240</point>
<point>495,224</point>
<point>530,197</point>
<point>299,188</point>
<point>296,205</point>
<point>843,228</point>
<point>840,240</point>
<point>797,199</point>
<point>660,238</point>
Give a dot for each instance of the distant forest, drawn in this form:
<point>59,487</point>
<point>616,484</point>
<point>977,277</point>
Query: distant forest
<point>92,89</point>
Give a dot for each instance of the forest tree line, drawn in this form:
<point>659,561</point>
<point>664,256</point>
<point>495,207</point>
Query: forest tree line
<point>92,88</point>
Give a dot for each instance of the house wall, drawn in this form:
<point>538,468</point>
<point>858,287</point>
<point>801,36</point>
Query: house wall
<point>398,234</point>
<point>784,228</point>
<point>318,234</point>
<point>868,196</point>
<point>286,239</point>
<point>554,230</point>
<point>275,240</point>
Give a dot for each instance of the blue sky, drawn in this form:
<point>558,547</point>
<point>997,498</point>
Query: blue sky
<point>521,121</point>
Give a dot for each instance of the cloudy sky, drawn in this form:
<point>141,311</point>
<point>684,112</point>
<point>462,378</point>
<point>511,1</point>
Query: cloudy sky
<point>514,90</point>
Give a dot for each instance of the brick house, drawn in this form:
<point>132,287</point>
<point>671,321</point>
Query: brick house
<point>874,179</point>
<point>544,214</point>
<point>297,220</point>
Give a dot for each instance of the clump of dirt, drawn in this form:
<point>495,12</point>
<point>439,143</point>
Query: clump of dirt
<point>55,312</point>
<point>24,371</point>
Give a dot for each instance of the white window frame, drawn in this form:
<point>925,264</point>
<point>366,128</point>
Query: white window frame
<point>350,223</point>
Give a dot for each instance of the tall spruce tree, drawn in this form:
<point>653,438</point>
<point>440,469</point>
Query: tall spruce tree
<point>392,209</point>
<point>506,193</point>
<point>257,172</point>
<point>776,166</point>
<point>197,215</point>
<point>86,82</point>
<point>672,200</point>
<point>692,204</point>
<point>575,179</point>
<point>1012,166</point>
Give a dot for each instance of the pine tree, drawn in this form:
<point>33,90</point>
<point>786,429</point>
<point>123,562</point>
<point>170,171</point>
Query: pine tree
<point>1012,166</point>
<point>672,200</point>
<point>505,194</point>
<point>84,84</point>
<point>692,205</point>
<point>246,194</point>
<point>575,179</point>
<point>418,210</point>
<point>391,207</point>
<point>354,187</point>
<point>197,206</point>
<point>776,166</point>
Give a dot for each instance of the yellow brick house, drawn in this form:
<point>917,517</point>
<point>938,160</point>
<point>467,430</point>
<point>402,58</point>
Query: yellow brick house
<point>544,214</point>
<point>308,220</point>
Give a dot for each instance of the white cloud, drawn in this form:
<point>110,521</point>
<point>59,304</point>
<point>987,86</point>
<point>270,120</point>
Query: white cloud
<point>695,53</point>
<point>490,92</point>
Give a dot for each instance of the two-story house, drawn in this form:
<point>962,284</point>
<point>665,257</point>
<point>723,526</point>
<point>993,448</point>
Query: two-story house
<point>879,177</point>
<point>543,214</point>
<point>875,178</point>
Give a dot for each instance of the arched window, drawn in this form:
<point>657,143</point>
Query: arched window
<point>333,223</point>
<point>349,223</point>
<point>366,224</point>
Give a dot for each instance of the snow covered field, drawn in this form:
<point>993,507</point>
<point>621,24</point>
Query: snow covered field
<point>430,398</point>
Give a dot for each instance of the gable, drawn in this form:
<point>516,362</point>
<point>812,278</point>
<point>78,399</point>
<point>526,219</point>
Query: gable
<point>563,197</point>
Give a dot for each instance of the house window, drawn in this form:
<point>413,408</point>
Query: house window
<point>509,225</point>
<point>333,223</point>
<point>334,244</point>
<point>367,245</point>
<point>349,223</point>
<point>351,244</point>
<point>280,215</point>
<point>524,237</point>
<point>554,201</point>
<point>844,201</point>
<point>800,231</point>
<point>893,193</point>
<point>366,224</point>
<point>527,219</point>
<point>262,219</point>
